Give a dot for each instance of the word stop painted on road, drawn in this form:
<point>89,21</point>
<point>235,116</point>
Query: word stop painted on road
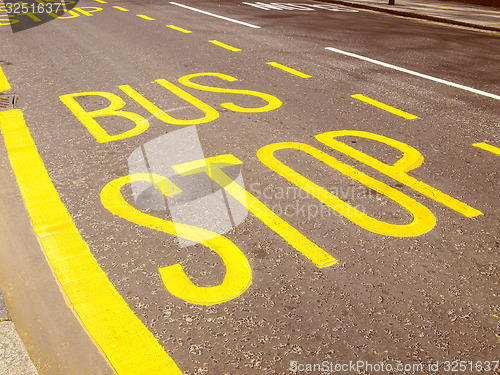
<point>238,271</point>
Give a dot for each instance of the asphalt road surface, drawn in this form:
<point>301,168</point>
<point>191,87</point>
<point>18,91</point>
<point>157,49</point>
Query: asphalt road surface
<point>327,179</point>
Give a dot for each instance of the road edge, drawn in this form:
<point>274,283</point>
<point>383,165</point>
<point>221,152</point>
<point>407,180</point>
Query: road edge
<point>411,14</point>
<point>54,338</point>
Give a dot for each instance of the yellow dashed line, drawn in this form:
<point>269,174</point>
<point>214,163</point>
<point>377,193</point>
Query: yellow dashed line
<point>179,29</point>
<point>101,1</point>
<point>289,70</point>
<point>487,147</point>
<point>145,17</point>
<point>120,8</point>
<point>4,84</point>
<point>385,107</point>
<point>223,45</point>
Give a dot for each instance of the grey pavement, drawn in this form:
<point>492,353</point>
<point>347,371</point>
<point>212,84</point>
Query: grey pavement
<point>468,15</point>
<point>13,356</point>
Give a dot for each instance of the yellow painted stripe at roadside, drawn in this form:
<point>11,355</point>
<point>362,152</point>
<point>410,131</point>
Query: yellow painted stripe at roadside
<point>385,107</point>
<point>289,70</point>
<point>223,45</point>
<point>179,29</point>
<point>487,147</point>
<point>145,17</point>
<point>123,339</point>
<point>120,8</point>
<point>4,84</point>
<point>101,1</point>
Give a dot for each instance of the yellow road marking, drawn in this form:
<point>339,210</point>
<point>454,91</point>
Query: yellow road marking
<point>72,14</point>
<point>273,102</point>
<point>121,336</point>
<point>179,29</point>
<point>410,160</point>
<point>385,107</point>
<point>488,147</point>
<point>422,222</point>
<point>223,45</point>
<point>289,70</point>
<point>210,113</point>
<point>89,10</point>
<point>87,118</point>
<point>4,84</point>
<point>145,17</point>
<point>238,275</point>
<point>120,8</point>
<point>213,168</point>
<point>101,1</point>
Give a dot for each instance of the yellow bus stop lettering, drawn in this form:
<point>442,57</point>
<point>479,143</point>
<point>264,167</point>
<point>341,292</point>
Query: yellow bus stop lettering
<point>238,272</point>
<point>72,14</point>
<point>423,220</point>
<point>272,101</point>
<point>32,16</point>
<point>411,159</point>
<point>213,168</point>
<point>87,118</point>
<point>87,11</point>
<point>210,113</point>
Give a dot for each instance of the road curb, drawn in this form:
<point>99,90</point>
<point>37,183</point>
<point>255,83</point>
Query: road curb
<point>410,14</point>
<point>55,339</point>
<point>14,359</point>
<point>4,315</point>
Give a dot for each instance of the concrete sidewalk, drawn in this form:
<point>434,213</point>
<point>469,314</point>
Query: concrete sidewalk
<point>14,359</point>
<point>467,15</point>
